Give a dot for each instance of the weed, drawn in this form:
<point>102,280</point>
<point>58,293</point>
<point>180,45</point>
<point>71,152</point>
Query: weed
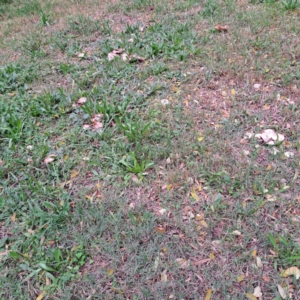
<point>290,4</point>
<point>44,19</point>
<point>287,251</point>
<point>135,166</point>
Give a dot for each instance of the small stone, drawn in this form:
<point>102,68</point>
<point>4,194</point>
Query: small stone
<point>164,102</point>
<point>289,154</point>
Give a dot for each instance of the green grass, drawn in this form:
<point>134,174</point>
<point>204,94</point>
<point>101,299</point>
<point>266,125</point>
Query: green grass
<point>148,188</point>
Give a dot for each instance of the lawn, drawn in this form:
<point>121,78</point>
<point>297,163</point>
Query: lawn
<point>150,149</point>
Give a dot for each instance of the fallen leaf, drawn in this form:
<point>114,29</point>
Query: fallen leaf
<point>114,53</point>
<point>194,195</point>
<point>74,173</point>
<point>164,276</point>
<point>124,56</point>
<point>266,278</point>
<point>270,137</point>
<point>203,224</point>
<point>240,278</point>
<point>161,229</point>
<point>13,217</point>
<point>110,272</point>
<point>208,294</point>
<point>182,262</point>
<point>41,296</point>
<point>156,263</point>
<point>257,292</point>
<point>221,28</point>
<point>258,262</point>
<point>291,271</point>
<point>250,296</point>
<point>4,253</point>
<point>254,253</point>
<point>281,291</point>
<point>200,138</point>
<point>211,256</point>
<point>137,58</point>
<point>81,100</point>
<point>50,158</point>
<point>201,262</point>
<point>97,125</point>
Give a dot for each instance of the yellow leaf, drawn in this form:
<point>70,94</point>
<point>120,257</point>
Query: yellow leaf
<point>74,173</point>
<point>240,278</point>
<point>66,157</point>
<point>13,217</point>
<point>211,256</point>
<point>291,271</point>
<point>208,294</point>
<point>233,92</point>
<point>110,272</point>
<point>200,138</point>
<point>203,224</point>
<point>254,253</point>
<point>41,296</point>
<point>164,249</point>
<point>74,248</point>
<point>269,167</point>
<point>250,296</point>
<point>194,195</point>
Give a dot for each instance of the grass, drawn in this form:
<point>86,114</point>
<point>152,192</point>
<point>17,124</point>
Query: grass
<point>141,177</point>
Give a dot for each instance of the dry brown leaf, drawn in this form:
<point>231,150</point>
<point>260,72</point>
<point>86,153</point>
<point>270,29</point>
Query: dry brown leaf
<point>114,54</point>
<point>13,217</point>
<point>281,291</point>
<point>50,158</point>
<point>182,262</point>
<point>258,262</point>
<point>97,125</point>
<point>221,28</point>
<point>164,276</point>
<point>257,292</point>
<point>81,100</point>
<point>161,229</point>
<point>270,137</point>
<point>201,262</point>
<point>137,58</point>
<point>4,253</point>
